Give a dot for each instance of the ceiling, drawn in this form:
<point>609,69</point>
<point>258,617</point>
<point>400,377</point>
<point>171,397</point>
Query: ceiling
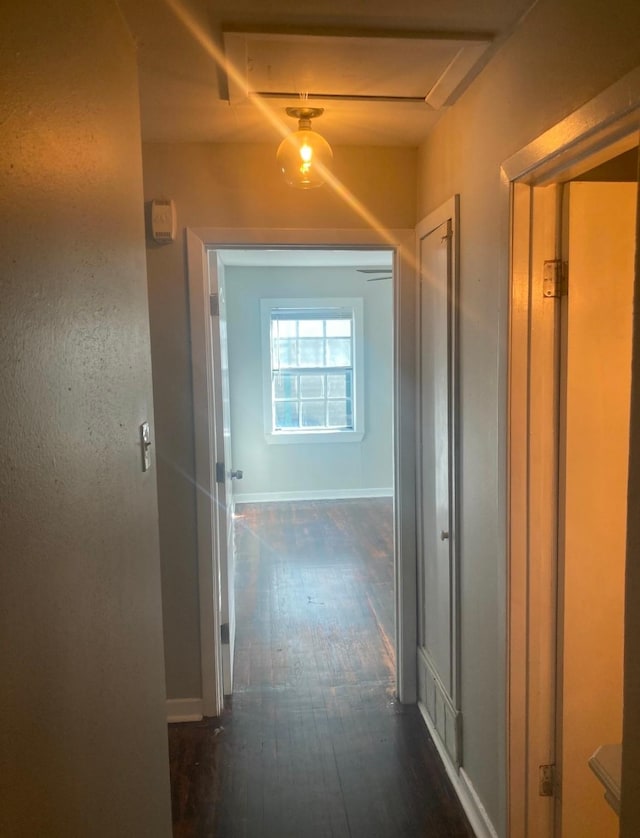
<point>225,70</point>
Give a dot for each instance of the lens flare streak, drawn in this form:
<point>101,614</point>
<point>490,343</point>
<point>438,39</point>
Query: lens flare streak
<point>343,192</point>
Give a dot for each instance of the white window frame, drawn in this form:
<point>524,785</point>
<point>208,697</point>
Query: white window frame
<point>356,306</point>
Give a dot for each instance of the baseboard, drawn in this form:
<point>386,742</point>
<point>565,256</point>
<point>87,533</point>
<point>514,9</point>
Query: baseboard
<point>479,809</point>
<point>184,710</point>
<point>463,787</point>
<point>313,494</point>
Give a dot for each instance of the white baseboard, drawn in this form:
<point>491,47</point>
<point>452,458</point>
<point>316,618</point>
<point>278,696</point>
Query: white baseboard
<point>485,821</point>
<point>313,494</point>
<point>184,710</point>
<point>463,787</point>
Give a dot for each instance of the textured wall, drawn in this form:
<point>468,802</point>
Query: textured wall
<point>561,56</point>
<point>228,186</point>
<point>83,745</point>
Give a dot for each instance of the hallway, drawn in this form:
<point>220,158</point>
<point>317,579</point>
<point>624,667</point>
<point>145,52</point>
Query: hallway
<point>314,743</point>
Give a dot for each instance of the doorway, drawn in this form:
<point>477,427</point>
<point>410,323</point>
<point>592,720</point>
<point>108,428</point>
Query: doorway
<point>595,384</point>
<point>570,357</point>
<point>308,335</point>
<point>200,244</point>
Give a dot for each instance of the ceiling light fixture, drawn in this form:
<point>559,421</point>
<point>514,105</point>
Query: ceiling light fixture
<point>304,155</point>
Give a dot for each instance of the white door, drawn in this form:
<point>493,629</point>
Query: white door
<point>438,612</point>
<point>593,506</point>
<point>225,473</point>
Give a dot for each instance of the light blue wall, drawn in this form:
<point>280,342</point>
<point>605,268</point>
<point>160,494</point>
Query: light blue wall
<point>315,469</point>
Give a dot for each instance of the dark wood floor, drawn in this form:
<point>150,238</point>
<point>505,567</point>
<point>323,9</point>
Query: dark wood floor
<point>314,744</point>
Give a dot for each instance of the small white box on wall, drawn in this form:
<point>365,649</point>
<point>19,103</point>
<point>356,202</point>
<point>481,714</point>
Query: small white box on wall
<point>163,220</point>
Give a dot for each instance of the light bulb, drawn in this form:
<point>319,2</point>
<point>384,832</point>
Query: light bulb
<point>303,158</point>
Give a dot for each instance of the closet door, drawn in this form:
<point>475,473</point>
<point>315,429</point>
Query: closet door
<point>437,555</point>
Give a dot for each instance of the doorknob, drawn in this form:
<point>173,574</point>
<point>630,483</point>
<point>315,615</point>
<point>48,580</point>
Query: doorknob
<point>236,474</point>
<point>444,535</point>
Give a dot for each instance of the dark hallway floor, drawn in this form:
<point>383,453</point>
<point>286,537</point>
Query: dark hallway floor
<point>313,745</point>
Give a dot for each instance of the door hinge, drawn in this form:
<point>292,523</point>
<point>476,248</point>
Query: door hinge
<point>547,780</point>
<point>224,634</point>
<point>220,475</point>
<point>214,305</point>
<point>554,278</point>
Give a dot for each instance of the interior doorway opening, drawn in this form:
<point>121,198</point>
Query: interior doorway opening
<point>307,409</point>
<point>595,386</point>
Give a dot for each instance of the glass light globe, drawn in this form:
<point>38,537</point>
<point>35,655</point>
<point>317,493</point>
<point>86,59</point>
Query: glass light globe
<point>303,156</point>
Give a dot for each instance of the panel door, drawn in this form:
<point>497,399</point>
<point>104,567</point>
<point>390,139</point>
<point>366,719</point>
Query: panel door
<point>437,652</point>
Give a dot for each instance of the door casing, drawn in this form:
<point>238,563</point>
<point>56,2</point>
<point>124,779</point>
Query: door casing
<point>224,508</point>
<point>200,242</point>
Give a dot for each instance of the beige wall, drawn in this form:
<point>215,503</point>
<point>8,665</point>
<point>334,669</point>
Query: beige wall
<point>83,748</point>
<point>562,55</point>
<point>228,186</point>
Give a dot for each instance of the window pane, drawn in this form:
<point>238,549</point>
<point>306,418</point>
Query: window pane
<point>312,352</point>
<point>338,352</point>
<point>285,351</point>
<point>284,328</point>
<point>338,328</point>
<point>311,386</point>
<point>337,386</point>
<point>311,328</point>
<point>338,414</point>
<point>285,386</point>
<point>286,415</point>
<point>312,414</point>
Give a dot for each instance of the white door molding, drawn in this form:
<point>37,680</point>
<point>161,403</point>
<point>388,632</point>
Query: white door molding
<point>204,412</point>
<point>402,242</point>
<point>600,129</point>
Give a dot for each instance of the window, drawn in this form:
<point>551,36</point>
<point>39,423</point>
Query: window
<point>313,355</point>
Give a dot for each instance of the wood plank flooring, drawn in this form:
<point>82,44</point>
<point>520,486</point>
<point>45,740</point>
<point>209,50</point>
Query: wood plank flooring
<point>313,744</point>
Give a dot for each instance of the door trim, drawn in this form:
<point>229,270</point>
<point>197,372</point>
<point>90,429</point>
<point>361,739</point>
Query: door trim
<point>198,242</point>
<point>605,126</point>
<point>600,129</point>
<point>204,418</point>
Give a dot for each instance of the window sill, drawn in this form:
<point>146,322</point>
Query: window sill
<point>306,437</point>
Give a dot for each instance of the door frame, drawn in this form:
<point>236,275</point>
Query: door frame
<point>602,128</point>
<point>199,241</point>
<point>224,506</point>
